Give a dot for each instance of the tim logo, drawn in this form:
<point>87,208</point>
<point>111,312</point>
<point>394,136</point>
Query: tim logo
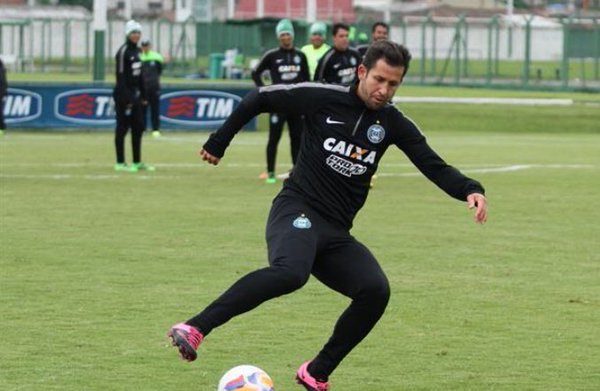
<point>197,108</point>
<point>21,106</point>
<point>89,106</point>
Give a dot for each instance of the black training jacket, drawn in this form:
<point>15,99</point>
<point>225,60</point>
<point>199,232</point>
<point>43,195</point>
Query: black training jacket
<point>129,88</point>
<point>152,68</point>
<point>3,82</point>
<point>286,66</point>
<point>337,67</point>
<point>342,146</point>
<point>362,49</point>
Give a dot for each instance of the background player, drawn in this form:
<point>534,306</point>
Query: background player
<point>338,65</point>
<point>286,65</point>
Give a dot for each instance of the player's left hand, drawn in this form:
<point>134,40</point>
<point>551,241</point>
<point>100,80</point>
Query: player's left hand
<point>208,157</point>
<point>477,200</point>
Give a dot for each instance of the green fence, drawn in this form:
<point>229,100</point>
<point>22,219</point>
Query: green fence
<point>457,51</point>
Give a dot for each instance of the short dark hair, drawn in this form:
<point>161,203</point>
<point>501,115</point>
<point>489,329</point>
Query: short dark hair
<point>391,52</point>
<point>382,24</point>
<point>339,26</point>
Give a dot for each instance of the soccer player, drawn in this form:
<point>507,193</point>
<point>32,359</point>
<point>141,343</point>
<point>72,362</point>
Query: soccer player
<point>128,95</point>
<point>317,46</point>
<point>3,95</point>
<point>308,229</point>
<point>338,65</point>
<point>286,65</point>
<point>379,32</point>
<point>152,67</point>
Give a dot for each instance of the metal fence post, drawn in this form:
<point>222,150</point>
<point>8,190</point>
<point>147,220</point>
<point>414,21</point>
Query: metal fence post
<point>564,68</point>
<point>597,46</point>
<point>423,49</point>
<point>433,47</point>
<point>67,42</point>
<point>109,36</point>
<point>510,39</point>
<point>490,63</point>
<point>466,50</point>
<point>403,25</point>
<point>457,42</point>
<point>21,55</point>
<point>87,45</point>
<point>49,40</point>
<point>527,62</point>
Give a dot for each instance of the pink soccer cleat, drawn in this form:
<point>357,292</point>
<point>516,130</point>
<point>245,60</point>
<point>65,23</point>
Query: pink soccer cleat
<point>310,383</point>
<point>187,339</point>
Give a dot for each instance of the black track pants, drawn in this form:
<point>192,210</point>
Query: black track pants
<point>154,106</point>
<point>276,122</point>
<point>301,242</point>
<point>125,121</point>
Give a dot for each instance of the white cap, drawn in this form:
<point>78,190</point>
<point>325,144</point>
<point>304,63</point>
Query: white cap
<point>132,26</point>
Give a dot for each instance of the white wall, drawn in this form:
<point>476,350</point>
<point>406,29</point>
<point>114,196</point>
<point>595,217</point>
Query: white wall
<point>546,43</point>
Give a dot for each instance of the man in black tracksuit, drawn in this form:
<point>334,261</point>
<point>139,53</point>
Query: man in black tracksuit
<point>338,65</point>
<point>128,95</point>
<point>348,131</point>
<point>3,95</point>
<point>286,65</point>
<point>379,32</point>
<point>152,67</point>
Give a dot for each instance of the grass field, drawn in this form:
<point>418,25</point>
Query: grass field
<point>95,266</point>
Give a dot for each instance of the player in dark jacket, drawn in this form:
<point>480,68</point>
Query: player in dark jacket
<point>379,32</point>
<point>152,67</point>
<point>286,65</point>
<point>338,65</point>
<point>128,95</point>
<point>308,230</point>
<point>3,95</point>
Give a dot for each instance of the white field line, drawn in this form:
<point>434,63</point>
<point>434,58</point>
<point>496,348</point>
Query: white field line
<point>484,101</point>
<point>167,175</point>
<point>511,168</point>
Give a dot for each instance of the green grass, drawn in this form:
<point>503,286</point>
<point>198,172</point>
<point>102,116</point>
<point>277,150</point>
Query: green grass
<point>95,266</point>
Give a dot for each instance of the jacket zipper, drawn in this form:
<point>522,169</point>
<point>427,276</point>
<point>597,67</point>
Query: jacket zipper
<point>358,122</point>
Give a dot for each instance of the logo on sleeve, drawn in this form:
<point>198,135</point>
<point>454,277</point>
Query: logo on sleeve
<point>302,222</point>
<point>375,133</point>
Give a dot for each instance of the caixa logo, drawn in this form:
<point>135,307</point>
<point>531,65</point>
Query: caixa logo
<point>198,108</point>
<point>22,105</point>
<point>93,106</point>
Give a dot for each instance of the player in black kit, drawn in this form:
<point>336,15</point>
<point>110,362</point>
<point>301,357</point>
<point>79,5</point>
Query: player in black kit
<point>348,131</point>
<point>379,32</point>
<point>129,95</point>
<point>338,65</point>
<point>286,65</point>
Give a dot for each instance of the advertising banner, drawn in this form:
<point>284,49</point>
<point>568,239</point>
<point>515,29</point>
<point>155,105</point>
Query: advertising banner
<point>72,106</point>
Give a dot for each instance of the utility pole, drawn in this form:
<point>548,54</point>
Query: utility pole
<point>260,9</point>
<point>311,11</point>
<point>230,9</point>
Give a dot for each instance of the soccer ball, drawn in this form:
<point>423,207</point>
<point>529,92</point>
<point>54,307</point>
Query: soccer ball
<point>245,378</point>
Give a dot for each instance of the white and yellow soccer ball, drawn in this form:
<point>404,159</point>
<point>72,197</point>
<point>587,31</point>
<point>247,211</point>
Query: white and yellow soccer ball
<point>246,378</point>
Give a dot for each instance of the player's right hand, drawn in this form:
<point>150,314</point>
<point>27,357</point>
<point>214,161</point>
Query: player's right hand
<point>207,157</point>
